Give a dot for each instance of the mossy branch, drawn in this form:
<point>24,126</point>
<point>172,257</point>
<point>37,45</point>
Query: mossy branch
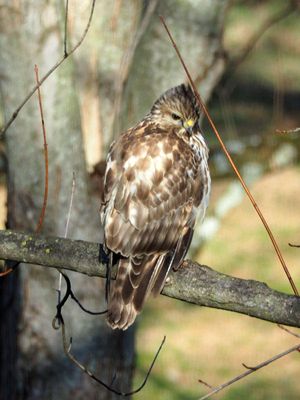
<point>194,283</point>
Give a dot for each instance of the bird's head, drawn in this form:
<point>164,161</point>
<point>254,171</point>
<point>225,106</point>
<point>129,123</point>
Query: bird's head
<point>177,108</point>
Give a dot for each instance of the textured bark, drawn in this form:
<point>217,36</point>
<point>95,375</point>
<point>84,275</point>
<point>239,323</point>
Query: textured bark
<point>9,311</point>
<point>33,35</point>
<point>197,27</point>
<point>194,283</point>
<point>121,50</point>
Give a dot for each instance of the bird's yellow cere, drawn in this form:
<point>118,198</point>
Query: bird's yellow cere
<point>189,123</point>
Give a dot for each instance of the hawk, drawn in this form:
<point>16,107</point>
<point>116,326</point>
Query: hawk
<point>156,184</point>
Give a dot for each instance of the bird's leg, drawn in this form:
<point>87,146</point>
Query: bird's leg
<point>108,274</point>
<point>105,257</point>
<point>103,254</point>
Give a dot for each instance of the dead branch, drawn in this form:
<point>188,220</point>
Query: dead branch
<point>46,184</point>
<point>294,245</point>
<point>46,76</point>
<point>250,370</point>
<point>235,62</point>
<point>232,163</point>
<point>194,283</point>
<point>67,351</point>
<point>289,331</point>
<point>66,29</point>
<point>58,322</point>
<point>66,234</point>
<point>288,131</point>
<point>46,161</point>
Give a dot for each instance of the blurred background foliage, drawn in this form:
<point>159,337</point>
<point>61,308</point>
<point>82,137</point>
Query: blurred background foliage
<point>251,102</point>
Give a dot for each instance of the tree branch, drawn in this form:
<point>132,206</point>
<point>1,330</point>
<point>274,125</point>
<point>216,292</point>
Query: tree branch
<point>251,370</point>
<point>203,107</point>
<point>236,61</point>
<point>46,76</point>
<point>194,283</point>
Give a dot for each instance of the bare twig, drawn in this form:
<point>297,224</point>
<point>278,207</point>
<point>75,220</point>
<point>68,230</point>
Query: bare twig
<point>245,187</point>
<point>66,29</point>
<point>287,131</point>
<point>102,383</point>
<point>248,367</point>
<point>250,370</point>
<point>7,271</point>
<point>288,331</point>
<point>58,321</point>
<point>294,245</point>
<point>235,62</point>
<point>73,297</point>
<point>43,211</point>
<point>45,196</point>
<point>205,383</point>
<point>69,293</point>
<point>46,76</point>
<point>66,232</point>
<point>71,204</point>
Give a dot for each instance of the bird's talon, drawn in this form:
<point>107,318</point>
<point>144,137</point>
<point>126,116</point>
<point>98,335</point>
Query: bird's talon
<point>103,256</point>
<point>168,281</point>
<point>184,264</point>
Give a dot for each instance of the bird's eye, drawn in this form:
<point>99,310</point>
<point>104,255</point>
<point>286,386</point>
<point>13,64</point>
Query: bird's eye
<point>175,117</point>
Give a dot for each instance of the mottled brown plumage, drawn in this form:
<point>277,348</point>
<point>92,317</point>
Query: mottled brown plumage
<point>156,183</point>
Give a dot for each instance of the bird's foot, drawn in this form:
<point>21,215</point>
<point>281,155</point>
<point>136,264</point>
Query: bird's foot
<point>183,264</point>
<point>103,255</point>
<point>167,281</point>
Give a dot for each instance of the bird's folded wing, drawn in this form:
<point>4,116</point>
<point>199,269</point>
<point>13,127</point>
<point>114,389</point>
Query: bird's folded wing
<point>150,192</point>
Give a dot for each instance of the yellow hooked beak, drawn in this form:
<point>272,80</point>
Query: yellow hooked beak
<point>189,125</point>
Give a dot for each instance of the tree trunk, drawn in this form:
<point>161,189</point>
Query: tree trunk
<point>41,369</point>
<point>128,55</point>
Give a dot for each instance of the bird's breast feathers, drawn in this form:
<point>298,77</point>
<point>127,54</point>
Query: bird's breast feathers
<point>153,186</point>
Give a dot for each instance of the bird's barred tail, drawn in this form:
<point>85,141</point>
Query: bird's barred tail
<point>135,280</point>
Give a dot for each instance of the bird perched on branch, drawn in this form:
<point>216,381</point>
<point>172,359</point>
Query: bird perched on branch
<point>156,185</point>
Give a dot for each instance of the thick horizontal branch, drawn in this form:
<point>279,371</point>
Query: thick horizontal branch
<point>194,283</point>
